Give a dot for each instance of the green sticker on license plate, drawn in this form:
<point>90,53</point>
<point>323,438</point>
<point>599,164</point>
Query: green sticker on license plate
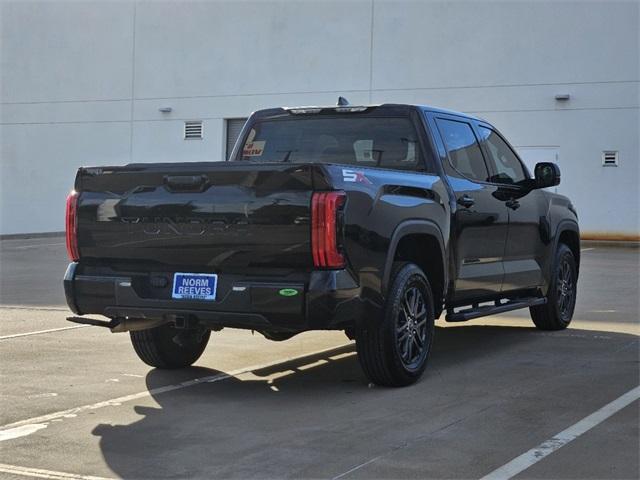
<point>288,292</point>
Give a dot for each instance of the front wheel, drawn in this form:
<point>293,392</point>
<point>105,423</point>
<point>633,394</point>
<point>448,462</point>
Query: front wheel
<point>394,352</point>
<point>557,313</point>
<point>167,347</point>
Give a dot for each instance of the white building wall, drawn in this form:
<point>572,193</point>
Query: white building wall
<point>82,83</point>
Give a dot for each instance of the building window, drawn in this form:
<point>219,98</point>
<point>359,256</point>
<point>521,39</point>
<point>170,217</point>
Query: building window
<point>233,127</point>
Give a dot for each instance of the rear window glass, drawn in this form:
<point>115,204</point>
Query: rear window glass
<point>387,142</point>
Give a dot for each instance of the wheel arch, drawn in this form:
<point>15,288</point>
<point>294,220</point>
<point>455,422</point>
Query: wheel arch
<point>419,241</point>
<point>568,233</point>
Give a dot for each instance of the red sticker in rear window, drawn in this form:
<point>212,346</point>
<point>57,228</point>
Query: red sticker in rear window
<point>253,149</point>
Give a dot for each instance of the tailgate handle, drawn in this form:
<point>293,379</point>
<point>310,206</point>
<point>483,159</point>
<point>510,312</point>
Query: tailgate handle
<point>186,183</point>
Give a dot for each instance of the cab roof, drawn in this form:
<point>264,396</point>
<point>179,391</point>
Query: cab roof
<point>429,108</point>
<point>313,109</point>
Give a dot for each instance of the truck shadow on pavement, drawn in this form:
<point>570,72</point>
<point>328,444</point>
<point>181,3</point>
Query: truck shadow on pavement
<point>317,416</point>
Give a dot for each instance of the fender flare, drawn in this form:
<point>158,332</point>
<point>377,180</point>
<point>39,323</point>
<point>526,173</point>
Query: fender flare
<point>409,227</point>
<point>563,226</point>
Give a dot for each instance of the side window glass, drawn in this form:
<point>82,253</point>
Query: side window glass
<point>464,152</point>
<point>506,165</point>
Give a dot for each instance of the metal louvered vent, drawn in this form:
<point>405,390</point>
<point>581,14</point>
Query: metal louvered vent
<point>610,159</point>
<point>193,130</point>
<point>234,127</point>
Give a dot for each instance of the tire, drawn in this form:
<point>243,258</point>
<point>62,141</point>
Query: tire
<point>557,313</point>
<point>394,352</point>
<point>277,336</point>
<point>156,346</point>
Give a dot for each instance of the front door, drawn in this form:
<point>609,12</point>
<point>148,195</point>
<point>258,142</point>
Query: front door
<point>480,218</point>
<point>528,230</point>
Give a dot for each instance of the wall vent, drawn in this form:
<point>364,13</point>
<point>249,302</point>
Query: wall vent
<point>610,158</point>
<point>193,130</point>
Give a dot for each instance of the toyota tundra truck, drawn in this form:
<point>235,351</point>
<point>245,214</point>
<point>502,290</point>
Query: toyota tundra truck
<point>375,220</point>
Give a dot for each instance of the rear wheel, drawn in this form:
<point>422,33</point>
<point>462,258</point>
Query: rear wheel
<point>557,313</point>
<point>394,352</point>
<point>167,347</point>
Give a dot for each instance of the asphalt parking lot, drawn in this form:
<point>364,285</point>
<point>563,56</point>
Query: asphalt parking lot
<point>77,402</point>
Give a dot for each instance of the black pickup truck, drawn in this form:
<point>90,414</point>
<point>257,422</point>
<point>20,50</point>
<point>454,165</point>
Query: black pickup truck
<point>368,219</point>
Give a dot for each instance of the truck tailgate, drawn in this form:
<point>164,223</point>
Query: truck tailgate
<point>220,216</point>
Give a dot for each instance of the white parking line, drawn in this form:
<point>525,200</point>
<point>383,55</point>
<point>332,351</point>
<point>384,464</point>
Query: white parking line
<point>26,247</point>
<point>72,412</point>
<point>587,249</point>
<point>8,306</point>
<point>527,459</point>
<point>38,332</point>
<point>40,473</point>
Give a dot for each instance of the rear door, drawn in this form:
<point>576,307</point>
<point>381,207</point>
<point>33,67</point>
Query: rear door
<point>480,220</point>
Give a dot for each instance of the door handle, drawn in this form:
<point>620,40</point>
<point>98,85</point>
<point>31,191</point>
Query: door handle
<point>513,204</point>
<point>466,201</point>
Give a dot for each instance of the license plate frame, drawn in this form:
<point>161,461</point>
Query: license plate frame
<point>194,286</point>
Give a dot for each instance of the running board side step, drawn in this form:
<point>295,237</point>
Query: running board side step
<point>482,311</point>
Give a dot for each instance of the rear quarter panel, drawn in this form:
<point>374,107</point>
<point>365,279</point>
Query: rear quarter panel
<point>378,202</point>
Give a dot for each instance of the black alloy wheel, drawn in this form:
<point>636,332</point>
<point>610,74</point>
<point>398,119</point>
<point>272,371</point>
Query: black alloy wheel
<point>411,327</point>
<point>557,313</point>
<point>565,290</point>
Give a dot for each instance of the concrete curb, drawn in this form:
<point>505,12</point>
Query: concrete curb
<point>609,244</point>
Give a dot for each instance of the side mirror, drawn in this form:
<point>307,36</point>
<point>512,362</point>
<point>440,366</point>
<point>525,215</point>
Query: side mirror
<point>547,174</point>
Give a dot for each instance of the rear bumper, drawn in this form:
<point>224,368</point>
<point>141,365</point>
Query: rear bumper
<point>328,299</point>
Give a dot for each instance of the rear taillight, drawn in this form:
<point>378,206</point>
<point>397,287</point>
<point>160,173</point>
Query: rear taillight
<point>325,208</point>
<point>71,226</point>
